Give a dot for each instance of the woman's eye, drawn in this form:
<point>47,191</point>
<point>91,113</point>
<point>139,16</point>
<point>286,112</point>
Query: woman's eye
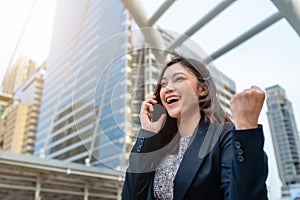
<point>179,78</point>
<point>163,84</point>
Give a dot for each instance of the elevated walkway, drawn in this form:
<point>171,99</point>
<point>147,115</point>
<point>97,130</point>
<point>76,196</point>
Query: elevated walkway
<point>29,177</point>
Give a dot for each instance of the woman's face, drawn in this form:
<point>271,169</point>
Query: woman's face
<point>180,91</point>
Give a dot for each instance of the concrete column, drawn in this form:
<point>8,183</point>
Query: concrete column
<point>37,195</point>
<point>86,192</point>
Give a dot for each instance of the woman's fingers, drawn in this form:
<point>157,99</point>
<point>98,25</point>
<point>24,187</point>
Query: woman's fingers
<point>147,105</point>
<point>146,108</point>
<point>246,107</point>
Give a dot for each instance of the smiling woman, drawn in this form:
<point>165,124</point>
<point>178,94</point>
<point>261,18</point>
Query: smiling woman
<point>194,150</point>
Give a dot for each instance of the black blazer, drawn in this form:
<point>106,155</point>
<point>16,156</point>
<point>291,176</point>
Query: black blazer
<point>220,163</point>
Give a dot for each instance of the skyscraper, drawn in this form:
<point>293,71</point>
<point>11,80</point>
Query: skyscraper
<point>80,82</point>
<point>96,81</point>
<point>17,74</point>
<point>285,137</point>
<point>18,124</point>
<point>30,93</point>
<point>13,127</point>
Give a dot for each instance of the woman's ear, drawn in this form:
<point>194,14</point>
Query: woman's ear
<point>203,91</point>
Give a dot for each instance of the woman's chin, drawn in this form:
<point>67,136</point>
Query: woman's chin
<point>174,115</point>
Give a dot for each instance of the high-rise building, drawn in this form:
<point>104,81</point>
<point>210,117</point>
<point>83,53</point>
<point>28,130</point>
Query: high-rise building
<point>18,124</point>
<point>5,101</point>
<point>285,138</point>
<point>30,93</point>
<point>76,119</point>
<point>96,81</point>
<point>13,126</point>
<point>17,74</point>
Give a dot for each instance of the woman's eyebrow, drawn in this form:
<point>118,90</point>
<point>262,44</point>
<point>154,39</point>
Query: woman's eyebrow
<point>178,73</point>
<point>173,75</point>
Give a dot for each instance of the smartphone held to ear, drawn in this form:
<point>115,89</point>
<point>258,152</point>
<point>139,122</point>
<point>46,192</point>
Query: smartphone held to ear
<point>158,111</point>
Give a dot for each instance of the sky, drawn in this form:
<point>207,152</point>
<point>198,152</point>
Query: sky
<point>269,58</point>
<point>36,39</point>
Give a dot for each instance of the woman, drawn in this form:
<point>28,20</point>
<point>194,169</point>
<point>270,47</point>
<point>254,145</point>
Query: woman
<point>194,151</point>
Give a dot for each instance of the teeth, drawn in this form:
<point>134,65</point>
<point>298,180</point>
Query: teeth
<point>173,98</point>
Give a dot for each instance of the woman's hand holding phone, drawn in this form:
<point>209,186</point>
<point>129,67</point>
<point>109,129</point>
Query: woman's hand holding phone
<point>146,118</point>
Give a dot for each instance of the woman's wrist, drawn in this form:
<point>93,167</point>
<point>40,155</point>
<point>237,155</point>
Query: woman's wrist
<point>244,126</point>
<point>149,130</point>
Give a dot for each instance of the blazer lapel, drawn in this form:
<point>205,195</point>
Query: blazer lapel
<point>201,143</point>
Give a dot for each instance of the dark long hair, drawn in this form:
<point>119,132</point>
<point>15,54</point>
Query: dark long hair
<point>210,107</point>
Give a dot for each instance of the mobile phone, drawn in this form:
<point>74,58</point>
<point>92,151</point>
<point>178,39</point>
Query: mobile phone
<point>158,111</point>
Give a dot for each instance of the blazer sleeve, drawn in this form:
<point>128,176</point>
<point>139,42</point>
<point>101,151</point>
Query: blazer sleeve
<point>144,157</point>
<point>244,166</point>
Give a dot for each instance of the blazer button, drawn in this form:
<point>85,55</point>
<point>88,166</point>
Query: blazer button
<point>152,165</point>
<point>237,144</point>
<point>240,158</point>
<point>142,140</point>
<point>139,148</point>
<point>239,151</point>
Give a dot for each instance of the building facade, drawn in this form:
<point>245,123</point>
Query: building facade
<point>13,126</point>
<point>30,93</point>
<point>76,122</point>
<point>17,74</point>
<point>285,138</point>
<point>5,101</point>
<point>18,124</point>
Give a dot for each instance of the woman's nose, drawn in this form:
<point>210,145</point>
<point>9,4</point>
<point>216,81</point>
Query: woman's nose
<point>169,87</point>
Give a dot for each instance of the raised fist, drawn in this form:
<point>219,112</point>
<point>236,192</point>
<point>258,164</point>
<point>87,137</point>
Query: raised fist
<point>246,107</point>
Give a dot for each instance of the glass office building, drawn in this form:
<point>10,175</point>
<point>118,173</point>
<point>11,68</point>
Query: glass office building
<point>285,137</point>
<point>76,103</point>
